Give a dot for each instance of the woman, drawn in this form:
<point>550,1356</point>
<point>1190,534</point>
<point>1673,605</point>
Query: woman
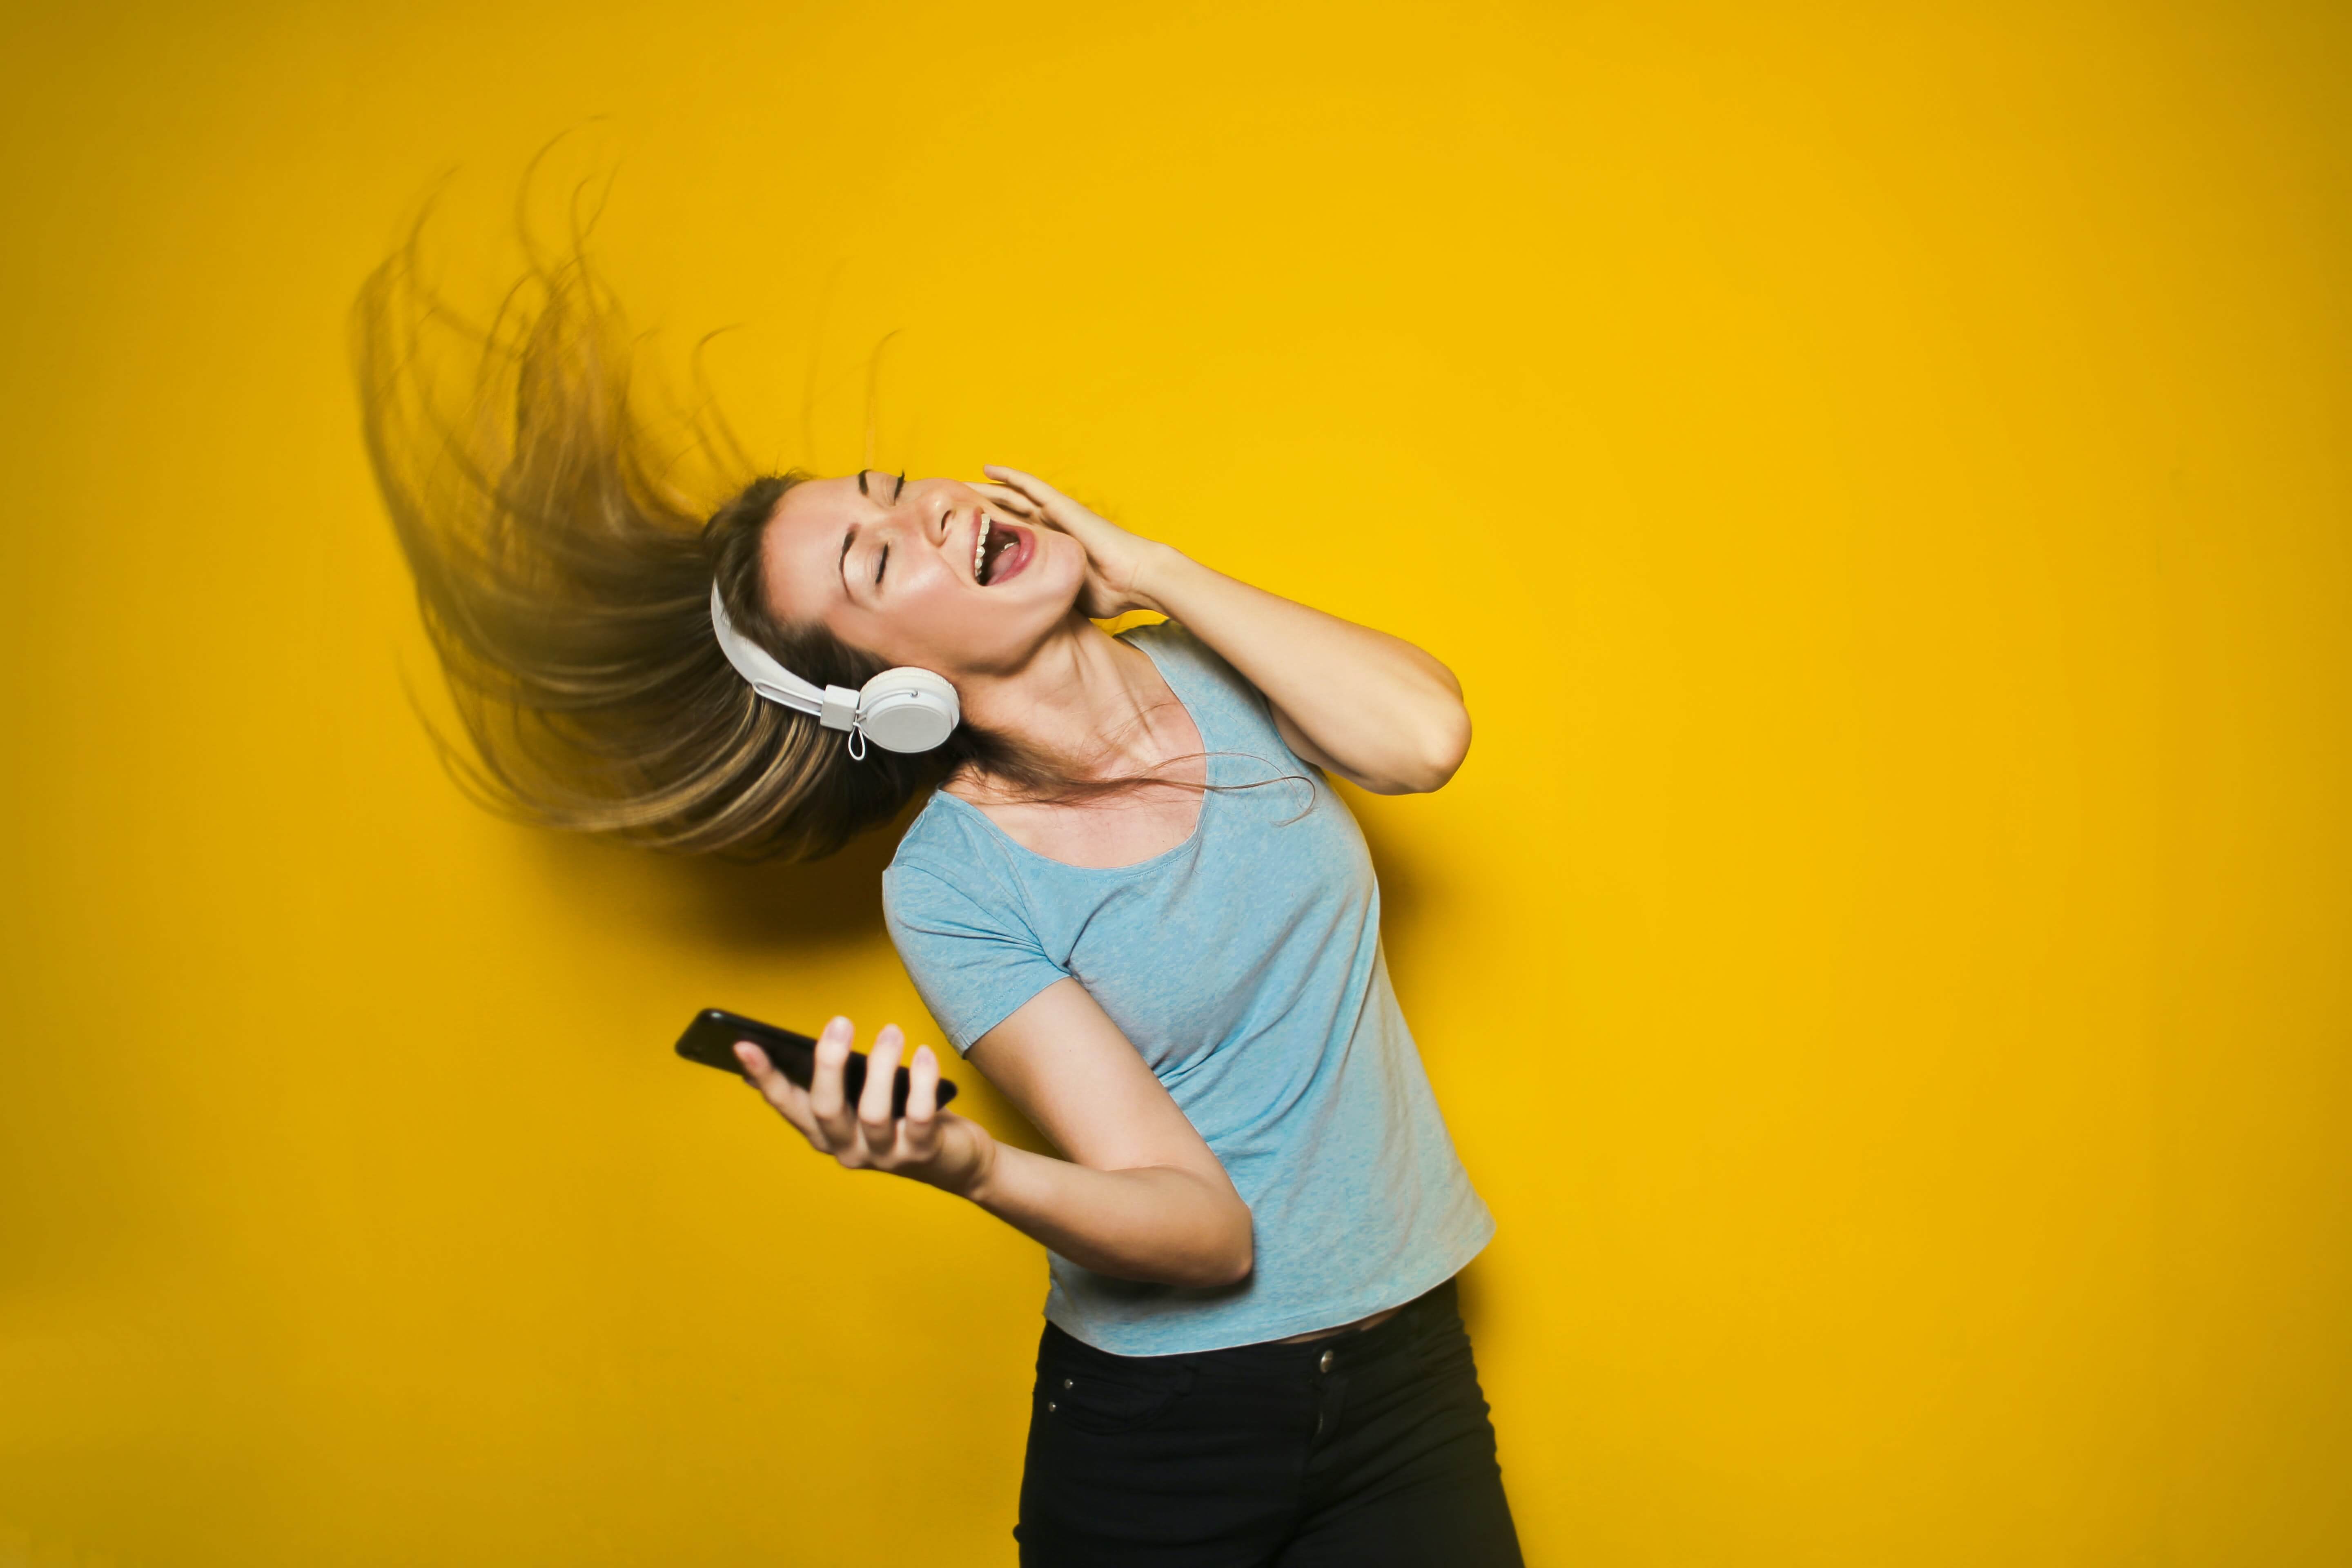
<point>1131,900</point>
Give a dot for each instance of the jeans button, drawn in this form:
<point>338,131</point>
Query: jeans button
<point>1051,1407</point>
<point>1070,1383</point>
<point>1323,1361</point>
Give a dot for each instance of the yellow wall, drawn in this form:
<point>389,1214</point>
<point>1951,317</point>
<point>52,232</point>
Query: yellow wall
<point>1880,473</point>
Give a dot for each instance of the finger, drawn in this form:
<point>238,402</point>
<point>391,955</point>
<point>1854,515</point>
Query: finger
<point>1008,498</point>
<point>792,1103</point>
<point>826,1097</point>
<point>759,1072</point>
<point>789,1099</point>
<point>793,1107</point>
<point>918,1132</point>
<point>874,1118</point>
<point>1029,485</point>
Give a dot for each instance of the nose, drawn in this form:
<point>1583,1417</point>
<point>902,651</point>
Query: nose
<point>934,505</point>
<point>941,507</point>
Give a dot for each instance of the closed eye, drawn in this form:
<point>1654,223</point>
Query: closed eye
<point>881,564</point>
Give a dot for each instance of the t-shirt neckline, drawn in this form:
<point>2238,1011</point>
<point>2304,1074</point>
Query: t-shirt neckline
<point>1200,818</point>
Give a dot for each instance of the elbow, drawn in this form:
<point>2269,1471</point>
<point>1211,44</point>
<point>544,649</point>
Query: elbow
<point>1431,759</point>
<point>1226,1278</point>
<point>1228,1267</point>
<point>1201,1238</point>
<point>1238,1260</point>
<point>1226,1256</point>
<point>1445,748</point>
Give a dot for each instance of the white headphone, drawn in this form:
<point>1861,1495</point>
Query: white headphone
<point>902,710</point>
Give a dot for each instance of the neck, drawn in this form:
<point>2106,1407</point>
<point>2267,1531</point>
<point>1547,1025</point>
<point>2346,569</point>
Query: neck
<point>1092,704</point>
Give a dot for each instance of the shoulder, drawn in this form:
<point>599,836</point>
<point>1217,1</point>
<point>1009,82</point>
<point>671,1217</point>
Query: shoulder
<point>1172,643</point>
<point>949,865</point>
<point>1198,671</point>
<point>958,914</point>
<point>1232,714</point>
<point>942,847</point>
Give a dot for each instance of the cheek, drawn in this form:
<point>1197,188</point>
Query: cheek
<point>943,626</point>
<point>1054,574</point>
<point>934,626</point>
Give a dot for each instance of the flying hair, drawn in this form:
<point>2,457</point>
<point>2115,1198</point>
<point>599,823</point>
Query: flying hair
<point>565,525</point>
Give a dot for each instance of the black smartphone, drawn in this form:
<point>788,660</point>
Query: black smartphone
<point>711,1040</point>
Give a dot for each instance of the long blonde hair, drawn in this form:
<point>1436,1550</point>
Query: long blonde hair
<point>564,575</point>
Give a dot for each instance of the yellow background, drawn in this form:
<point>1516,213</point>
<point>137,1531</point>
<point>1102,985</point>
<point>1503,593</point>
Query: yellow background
<point>1880,471</point>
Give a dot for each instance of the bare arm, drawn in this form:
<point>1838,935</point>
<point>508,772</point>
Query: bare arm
<point>1370,706</point>
<point>1140,1197</point>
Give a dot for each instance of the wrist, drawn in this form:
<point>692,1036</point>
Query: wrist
<point>1158,573</point>
<point>972,1183</point>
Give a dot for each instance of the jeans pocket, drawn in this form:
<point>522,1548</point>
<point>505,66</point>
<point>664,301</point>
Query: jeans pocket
<point>1107,1395</point>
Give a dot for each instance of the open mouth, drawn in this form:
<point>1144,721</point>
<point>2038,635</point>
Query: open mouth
<point>999,550</point>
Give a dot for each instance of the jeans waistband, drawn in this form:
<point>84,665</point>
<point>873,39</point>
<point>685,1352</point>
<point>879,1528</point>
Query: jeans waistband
<point>1431,1308</point>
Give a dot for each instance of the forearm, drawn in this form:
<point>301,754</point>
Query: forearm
<point>1153,1223</point>
<point>1386,713</point>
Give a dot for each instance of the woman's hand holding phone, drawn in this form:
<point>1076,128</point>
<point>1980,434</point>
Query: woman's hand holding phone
<point>926,1144</point>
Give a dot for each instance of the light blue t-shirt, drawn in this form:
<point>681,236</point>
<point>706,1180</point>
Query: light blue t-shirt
<point>1244,965</point>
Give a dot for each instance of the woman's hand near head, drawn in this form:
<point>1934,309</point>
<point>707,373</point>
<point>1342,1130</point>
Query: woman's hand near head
<point>927,1144</point>
<point>1118,562</point>
<point>1371,708</point>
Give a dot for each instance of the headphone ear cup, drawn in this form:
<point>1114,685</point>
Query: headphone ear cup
<point>908,709</point>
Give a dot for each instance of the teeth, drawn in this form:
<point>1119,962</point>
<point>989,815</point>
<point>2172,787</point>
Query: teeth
<point>979,549</point>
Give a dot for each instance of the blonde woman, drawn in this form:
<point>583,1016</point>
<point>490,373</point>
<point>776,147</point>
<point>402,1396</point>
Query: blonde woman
<point>1130,899</point>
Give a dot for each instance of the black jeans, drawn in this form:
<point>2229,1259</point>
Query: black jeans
<point>1363,1450</point>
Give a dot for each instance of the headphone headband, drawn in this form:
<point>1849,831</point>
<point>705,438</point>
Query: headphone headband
<point>835,707</point>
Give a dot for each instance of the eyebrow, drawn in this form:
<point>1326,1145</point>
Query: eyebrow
<point>849,536</point>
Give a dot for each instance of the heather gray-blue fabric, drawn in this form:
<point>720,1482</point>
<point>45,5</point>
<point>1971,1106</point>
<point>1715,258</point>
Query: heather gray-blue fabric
<point>1245,965</point>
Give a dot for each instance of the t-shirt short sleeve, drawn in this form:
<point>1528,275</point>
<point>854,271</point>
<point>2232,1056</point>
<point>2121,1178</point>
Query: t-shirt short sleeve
<point>973,965</point>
